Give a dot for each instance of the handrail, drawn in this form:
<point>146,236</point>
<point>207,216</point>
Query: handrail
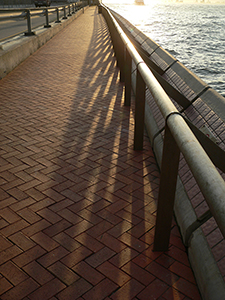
<point>178,138</point>
<point>28,13</point>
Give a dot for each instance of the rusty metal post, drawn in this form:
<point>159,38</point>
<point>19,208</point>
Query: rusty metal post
<point>167,189</point>
<point>128,64</point>
<point>139,112</point>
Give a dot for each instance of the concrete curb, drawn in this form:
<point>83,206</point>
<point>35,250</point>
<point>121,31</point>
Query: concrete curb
<point>17,49</point>
<point>208,276</point>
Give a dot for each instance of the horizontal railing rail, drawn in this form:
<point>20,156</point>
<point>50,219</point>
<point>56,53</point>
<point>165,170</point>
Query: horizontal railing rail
<point>27,13</point>
<point>178,138</point>
<point>214,151</point>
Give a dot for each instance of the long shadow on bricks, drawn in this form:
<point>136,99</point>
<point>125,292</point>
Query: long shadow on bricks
<point>82,210</point>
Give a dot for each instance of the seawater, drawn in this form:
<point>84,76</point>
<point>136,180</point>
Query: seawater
<point>193,33</point>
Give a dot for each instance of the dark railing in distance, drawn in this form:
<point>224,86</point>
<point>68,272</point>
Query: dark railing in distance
<point>28,13</point>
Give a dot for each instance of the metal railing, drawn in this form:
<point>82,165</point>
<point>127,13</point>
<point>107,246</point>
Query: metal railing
<point>178,138</point>
<point>28,13</point>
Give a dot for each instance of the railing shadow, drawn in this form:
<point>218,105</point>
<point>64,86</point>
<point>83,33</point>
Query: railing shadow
<point>97,199</point>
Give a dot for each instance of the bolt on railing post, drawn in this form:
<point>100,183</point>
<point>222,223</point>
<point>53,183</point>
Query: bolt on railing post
<point>139,112</point>
<point>64,17</point>
<point>29,32</point>
<point>57,13</point>
<point>47,19</point>
<point>167,189</point>
<point>128,64</point>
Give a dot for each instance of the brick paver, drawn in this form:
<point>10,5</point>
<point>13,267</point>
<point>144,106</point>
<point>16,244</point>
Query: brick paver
<point>78,204</point>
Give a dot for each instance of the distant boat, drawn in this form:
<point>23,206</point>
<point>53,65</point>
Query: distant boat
<point>139,2</point>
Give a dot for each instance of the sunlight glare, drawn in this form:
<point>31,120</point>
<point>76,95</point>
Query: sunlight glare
<point>131,2</point>
<point>135,11</point>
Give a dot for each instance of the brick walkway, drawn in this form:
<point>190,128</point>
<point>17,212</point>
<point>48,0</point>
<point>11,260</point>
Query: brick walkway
<point>78,205</point>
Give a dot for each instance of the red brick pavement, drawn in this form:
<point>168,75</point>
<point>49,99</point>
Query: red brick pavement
<point>78,204</point>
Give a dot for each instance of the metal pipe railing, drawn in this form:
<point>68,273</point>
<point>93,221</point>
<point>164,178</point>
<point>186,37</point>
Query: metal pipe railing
<point>178,138</point>
<point>8,14</point>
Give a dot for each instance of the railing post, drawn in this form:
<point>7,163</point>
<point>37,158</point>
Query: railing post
<point>47,19</point>
<point>128,64</point>
<point>139,112</point>
<point>167,189</point>
<point>119,51</point>
<point>69,14</point>
<point>114,35</point>
<point>64,17</point>
<point>29,32</point>
<point>57,13</point>
<point>99,9</point>
<point>73,10</point>
<point>122,59</point>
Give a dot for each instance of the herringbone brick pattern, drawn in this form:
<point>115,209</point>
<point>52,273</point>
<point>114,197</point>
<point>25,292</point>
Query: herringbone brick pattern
<point>78,204</point>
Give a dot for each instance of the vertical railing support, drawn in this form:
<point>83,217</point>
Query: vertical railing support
<point>128,65</point>
<point>47,19</point>
<point>73,8</point>
<point>117,49</point>
<point>167,189</point>
<point>57,13</point>
<point>64,9</point>
<point>29,31</point>
<point>115,37</point>
<point>122,59</point>
<point>69,14</point>
<point>139,112</point>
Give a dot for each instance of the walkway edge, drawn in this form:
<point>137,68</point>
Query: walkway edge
<point>16,50</point>
<point>209,279</point>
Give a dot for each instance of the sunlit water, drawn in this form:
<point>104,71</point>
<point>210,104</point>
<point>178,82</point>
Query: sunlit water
<point>192,33</point>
